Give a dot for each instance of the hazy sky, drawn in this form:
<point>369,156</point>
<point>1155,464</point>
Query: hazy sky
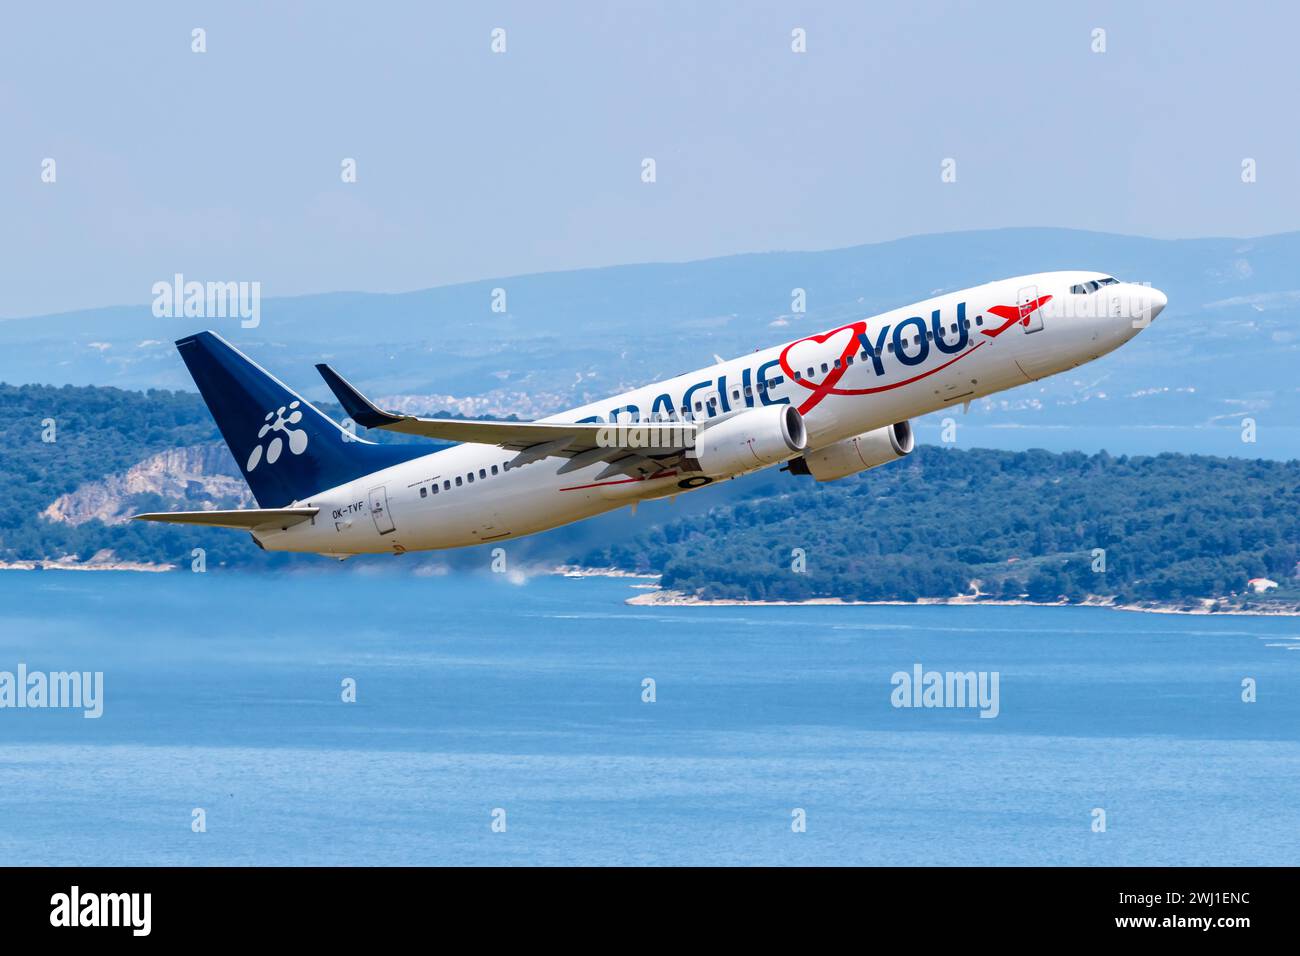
<point>225,165</point>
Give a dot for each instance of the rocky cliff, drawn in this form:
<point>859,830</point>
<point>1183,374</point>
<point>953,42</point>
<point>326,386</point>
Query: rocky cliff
<point>192,478</point>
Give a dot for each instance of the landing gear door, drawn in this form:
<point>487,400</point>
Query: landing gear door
<point>379,510</point>
<point>1031,316</point>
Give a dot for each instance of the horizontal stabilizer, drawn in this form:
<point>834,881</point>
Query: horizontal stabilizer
<point>248,519</point>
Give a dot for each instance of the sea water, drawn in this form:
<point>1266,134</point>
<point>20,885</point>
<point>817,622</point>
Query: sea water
<point>503,719</point>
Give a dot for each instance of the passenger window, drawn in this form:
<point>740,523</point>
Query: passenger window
<point>446,485</point>
<point>458,481</point>
<point>826,369</point>
<point>494,469</point>
<point>979,320</point>
<point>890,347</point>
<point>424,492</point>
<point>863,356</point>
<point>482,472</point>
<point>798,376</point>
<point>849,360</point>
<point>434,488</point>
<point>699,407</point>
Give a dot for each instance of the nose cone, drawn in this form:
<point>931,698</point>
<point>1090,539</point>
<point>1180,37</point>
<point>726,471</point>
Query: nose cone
<point>1158,301</point>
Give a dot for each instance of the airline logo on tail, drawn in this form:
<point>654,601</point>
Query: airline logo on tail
<point>297,438</point>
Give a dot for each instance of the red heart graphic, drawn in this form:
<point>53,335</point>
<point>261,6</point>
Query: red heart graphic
<point>827,385</point>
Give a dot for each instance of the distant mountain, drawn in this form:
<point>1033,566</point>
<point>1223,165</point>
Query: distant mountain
<point>1225,347</point>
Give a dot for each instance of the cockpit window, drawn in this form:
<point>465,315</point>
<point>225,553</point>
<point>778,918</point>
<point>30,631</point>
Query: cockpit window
<point>1093,285</point>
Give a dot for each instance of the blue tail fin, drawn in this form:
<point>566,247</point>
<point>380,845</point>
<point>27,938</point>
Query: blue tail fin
<point>286,449</point>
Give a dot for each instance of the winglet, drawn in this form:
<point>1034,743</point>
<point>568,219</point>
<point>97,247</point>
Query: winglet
<point>359,408</point>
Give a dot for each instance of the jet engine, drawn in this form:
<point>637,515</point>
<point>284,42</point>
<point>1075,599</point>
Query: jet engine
<point>751,440</point>
<point>851,455</point>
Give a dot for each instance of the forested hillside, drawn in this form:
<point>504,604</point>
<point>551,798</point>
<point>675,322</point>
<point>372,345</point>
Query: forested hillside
<point>1165,528</point>
<point>55,440</point>
<point>1168,528</point>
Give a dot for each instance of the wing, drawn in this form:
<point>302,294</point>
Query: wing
<point>250,519</point>
<point>634,447</point>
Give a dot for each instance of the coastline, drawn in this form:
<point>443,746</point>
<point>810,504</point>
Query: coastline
<point>100,562</point>
<point>577,571</point>
<point>671,598</point>
<point>652,595</point>
<point>82,566</point>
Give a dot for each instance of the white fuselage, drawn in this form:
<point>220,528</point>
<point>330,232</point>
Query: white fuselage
<point>859,377</point>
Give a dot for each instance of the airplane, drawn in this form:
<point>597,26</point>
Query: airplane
<point>827,405</point>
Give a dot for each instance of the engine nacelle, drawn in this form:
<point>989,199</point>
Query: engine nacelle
<point>751,440</point>
<point>852,455</point>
